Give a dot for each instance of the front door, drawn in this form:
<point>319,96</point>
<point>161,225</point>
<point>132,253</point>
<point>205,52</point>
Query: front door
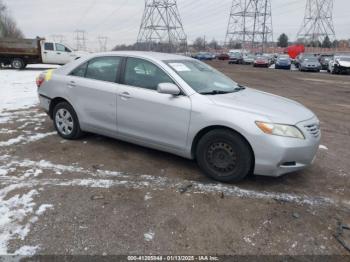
<point>146,115</point>
<point>63,54</point>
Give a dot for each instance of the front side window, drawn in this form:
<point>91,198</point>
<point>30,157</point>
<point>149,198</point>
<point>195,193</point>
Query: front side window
<point>141,73</point>
<point>49,46</point>
<point>202,78</point>
<point>62,48</point>
<point>103,68</point>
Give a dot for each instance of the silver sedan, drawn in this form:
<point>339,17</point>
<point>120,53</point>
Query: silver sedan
<point>182,106</point>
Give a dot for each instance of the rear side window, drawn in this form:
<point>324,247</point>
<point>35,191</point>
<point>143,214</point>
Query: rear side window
<point>79,71</point>
<point>103,68</point>
<point>49,46</point>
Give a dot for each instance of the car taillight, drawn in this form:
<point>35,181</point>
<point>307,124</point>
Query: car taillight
<point>40,80</point>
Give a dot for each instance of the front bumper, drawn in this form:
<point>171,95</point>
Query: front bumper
<point>276,156</point>
<point>283,66</point>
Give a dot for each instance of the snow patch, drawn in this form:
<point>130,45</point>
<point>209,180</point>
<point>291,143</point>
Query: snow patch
<point>322,147</point>
<point>148,236</point>
<point>18,89</point>
<point>148,196</point>
<point>41,210</point>
<point>25,139</point>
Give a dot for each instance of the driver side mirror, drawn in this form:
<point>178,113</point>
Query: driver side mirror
<point>168,88</point>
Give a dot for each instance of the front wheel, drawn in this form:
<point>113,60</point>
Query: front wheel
<point>66,121</point>
<point>224,156</point>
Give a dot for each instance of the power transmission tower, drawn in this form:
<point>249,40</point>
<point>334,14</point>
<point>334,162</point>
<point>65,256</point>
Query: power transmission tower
<point>102,40</point>
<point>80,38</point>
<point>58,38</point>
<point>161,27</point>
<point>250,24</point>
<point>318,21</point>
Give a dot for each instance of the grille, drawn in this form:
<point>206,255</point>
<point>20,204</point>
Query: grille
<point>314,130</point>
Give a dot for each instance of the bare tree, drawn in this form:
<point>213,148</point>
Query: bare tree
<point>8,26</point>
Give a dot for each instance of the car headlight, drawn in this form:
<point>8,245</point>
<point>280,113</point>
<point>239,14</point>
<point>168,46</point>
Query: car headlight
<point>280,130</point>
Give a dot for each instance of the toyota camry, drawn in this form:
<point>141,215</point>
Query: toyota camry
<point>182,106</point>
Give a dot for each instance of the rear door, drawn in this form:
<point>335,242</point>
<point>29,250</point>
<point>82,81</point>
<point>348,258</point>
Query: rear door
<point>49,53</point>
<point>93,90</point>
<point>146,115</point>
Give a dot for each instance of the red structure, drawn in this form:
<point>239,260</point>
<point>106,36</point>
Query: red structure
<point>294,50</point>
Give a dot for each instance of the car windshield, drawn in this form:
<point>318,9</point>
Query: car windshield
<point>283,57</point>
<point>311,59</point>
<point>235,54</point>
<point>203,78</point>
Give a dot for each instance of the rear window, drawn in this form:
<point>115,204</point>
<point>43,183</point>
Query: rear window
<point>48,46</point>
<point>79,71</point>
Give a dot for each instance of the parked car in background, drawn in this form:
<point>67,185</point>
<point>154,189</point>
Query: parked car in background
<point>235,58</point>
<point>310,64</point>
<point>248,59</point>
<point>324,61</point>
<point>339,64</point>
<point>283,62</point>
<point>261,61</point>
<point>223,56</point>
<point>301,57</point>
<point>204,56</point>
<point>182,106</point>
<point>20,52</point>
<point>271,58</point>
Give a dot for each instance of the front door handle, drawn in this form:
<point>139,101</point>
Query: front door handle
<point>125,95</point>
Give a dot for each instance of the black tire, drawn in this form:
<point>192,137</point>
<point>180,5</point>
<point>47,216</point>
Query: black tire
<point>224,156</point>
<point>73,131</point>
<point>18,63</point>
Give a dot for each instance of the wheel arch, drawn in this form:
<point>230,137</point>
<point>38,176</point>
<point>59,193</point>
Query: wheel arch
<point>55,102</point>
<point>207,129</point>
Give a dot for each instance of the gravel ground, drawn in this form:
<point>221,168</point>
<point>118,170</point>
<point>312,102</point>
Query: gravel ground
<point>98,196</point>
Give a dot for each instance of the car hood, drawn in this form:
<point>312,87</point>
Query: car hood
<point>311,63</point>
<point>277,109</point>
<point>344,63</point>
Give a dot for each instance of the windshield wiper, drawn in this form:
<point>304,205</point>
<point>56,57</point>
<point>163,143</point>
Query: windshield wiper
<point>216,92</point>
<point>240,88</point>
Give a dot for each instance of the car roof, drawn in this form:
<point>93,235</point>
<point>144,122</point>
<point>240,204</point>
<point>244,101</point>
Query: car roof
<point>144,54</point>
<point>152,56</point>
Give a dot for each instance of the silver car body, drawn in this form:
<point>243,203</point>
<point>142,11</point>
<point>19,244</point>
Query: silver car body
<point>172,123</point>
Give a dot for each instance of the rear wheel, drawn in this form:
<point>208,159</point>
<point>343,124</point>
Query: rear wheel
<point>66,121</point>
<point>18,63</point>
<point>224,156</point>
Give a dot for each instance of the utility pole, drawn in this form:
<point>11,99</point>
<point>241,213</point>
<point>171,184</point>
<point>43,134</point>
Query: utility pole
<point>250,23</point>
<point>161,27</point>
<point>80,38</point>
<point>318,21</point>
<point>102,40</point>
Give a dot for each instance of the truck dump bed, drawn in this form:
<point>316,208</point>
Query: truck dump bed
<point>23,47</point>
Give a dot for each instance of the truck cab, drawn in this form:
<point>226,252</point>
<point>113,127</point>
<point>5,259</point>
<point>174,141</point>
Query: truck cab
<point>56,53</point>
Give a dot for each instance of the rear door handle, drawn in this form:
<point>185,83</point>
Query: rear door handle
<point>71,84</point>
<point>125,95</point>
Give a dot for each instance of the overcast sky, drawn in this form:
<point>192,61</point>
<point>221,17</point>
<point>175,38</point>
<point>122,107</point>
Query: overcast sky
<point>120,19</point>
